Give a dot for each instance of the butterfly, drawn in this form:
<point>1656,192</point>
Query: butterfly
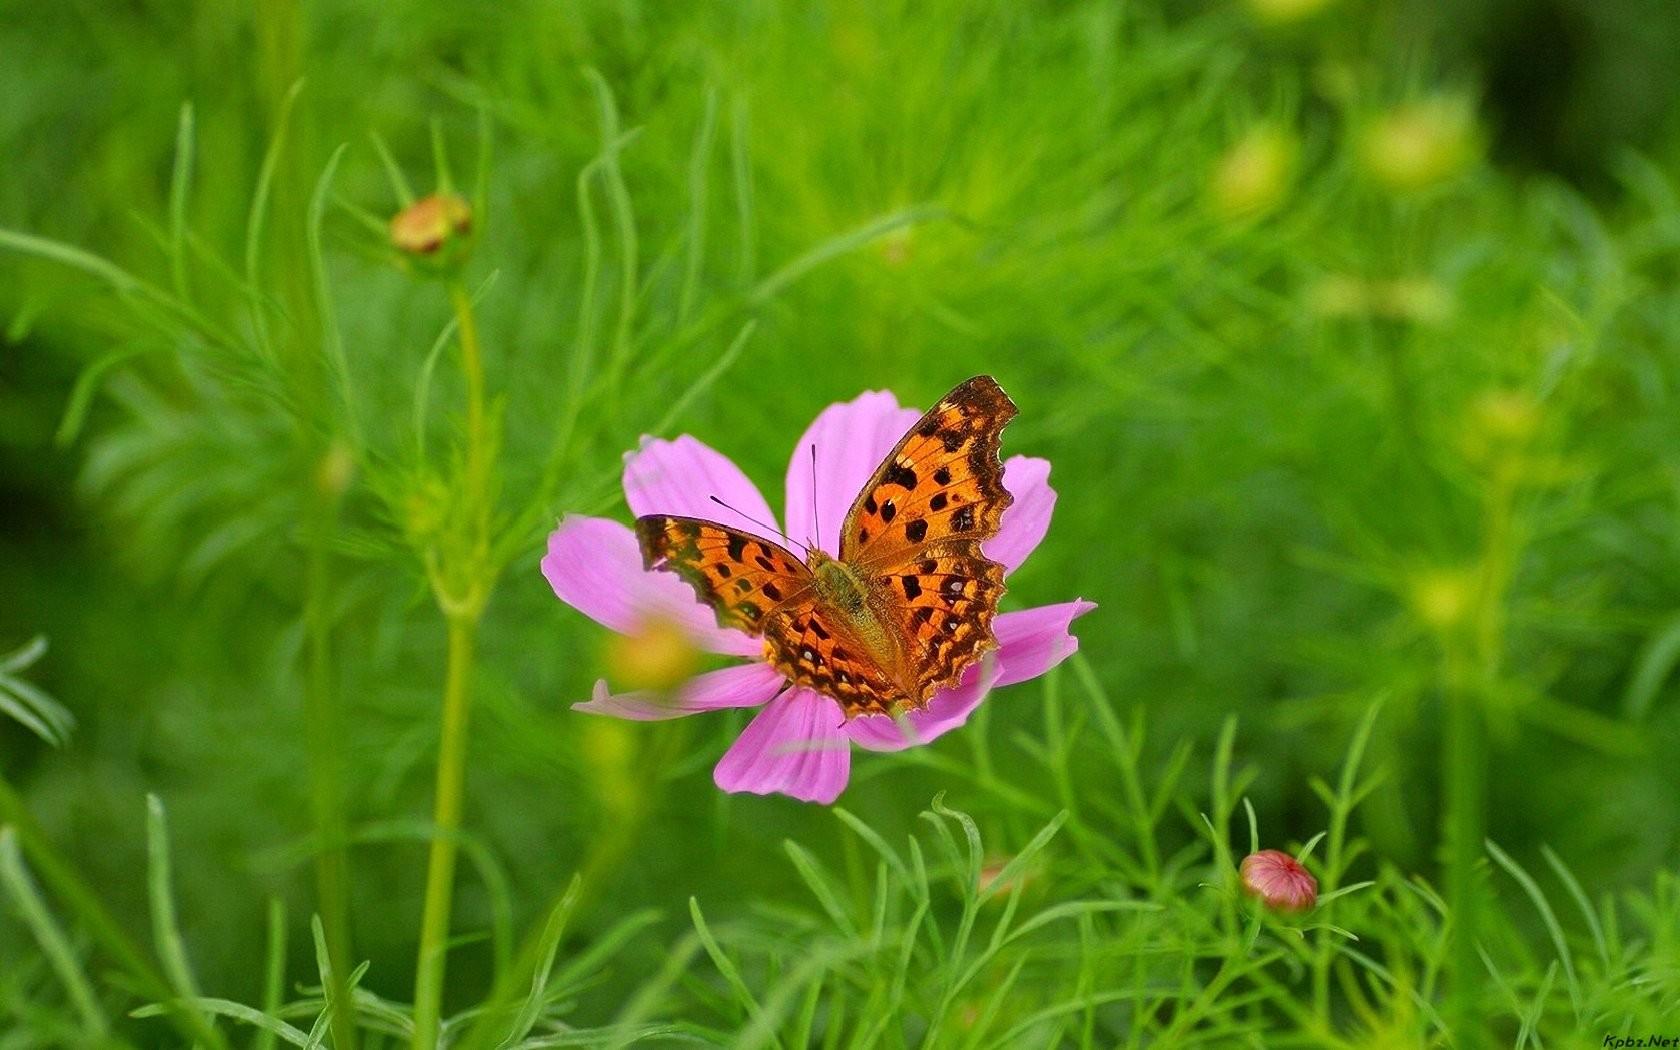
<point>908,605</point>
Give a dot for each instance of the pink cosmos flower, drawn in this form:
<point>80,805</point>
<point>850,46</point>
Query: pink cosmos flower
<point>799,744</point>
<point>1278,881</point>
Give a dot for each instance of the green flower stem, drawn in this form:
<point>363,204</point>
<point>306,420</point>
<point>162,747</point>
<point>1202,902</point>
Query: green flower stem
<point>1462,754</point>
<point>446,820</point>
<point>1473,659</point>
<point>325,727</point>
<point>462,577</point>
<point>478,442</point>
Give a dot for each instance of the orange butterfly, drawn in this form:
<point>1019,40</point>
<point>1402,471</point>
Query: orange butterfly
<point>908,605</point>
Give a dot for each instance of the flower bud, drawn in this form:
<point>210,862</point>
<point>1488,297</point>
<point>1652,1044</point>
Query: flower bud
<point>435,228</point>
<point>1418,144</point>
<point>1278,881</point>
<point>992,871</point>
<point>1254,174</point>
<point>1441,598</point>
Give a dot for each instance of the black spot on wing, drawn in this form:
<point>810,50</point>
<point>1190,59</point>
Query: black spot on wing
<point>912,587</point>
<point>916,531</point>
<point>900,475</point>
<point>963,520</point>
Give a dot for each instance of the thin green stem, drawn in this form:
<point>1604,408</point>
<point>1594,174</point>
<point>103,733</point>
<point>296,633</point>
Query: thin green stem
<point>472,369</point>
<point>446,817</point>
<point>462,576</point>
<point>325,729</point>
<point>1463,757</point>
<point>1472,665</point>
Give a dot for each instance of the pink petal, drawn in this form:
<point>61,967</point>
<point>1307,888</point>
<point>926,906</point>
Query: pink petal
<point>1032,641</point>
<point>595,566</point>
<point>681,476</point>
<point>948,709</point>
<point>851,439</point>
<point>1027,520</point>
<point>794,746</point>
<point>746,685</point>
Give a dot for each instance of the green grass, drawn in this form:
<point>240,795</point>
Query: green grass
<point>1364,446</point>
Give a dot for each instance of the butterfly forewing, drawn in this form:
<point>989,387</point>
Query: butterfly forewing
<point>916,532</point>
<point>743,578</point>
<point>942,481</point>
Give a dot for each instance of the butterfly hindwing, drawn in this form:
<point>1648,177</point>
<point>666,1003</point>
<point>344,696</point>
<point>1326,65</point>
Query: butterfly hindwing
<point>743,578</point>
<point>943,480</point>
<point>813,648</point>
<point>945,599</point>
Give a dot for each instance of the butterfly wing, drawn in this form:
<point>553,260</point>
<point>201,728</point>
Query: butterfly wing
<point>814,648</point>
<point>743,578</point>
<point>942,482</point>
<point>916,529</point>
<point>944,603</point>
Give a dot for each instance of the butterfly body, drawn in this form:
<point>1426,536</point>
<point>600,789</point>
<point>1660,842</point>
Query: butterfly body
<point>907,607</point>
<point>838,583</point>
<point>858,611</point>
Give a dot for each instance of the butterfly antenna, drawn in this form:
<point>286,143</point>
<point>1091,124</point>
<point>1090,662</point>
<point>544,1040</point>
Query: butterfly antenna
<point>763,525</point>
<point>816,524</point>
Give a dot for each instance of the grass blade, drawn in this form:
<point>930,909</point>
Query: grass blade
<point>1544,907</point>
<point>52,940</point>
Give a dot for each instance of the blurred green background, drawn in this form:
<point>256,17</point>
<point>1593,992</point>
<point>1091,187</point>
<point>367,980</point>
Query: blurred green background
<point>1351,329</point>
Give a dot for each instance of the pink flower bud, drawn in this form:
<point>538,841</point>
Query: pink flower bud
<point>1279,881</point>
<point>431,223</point>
